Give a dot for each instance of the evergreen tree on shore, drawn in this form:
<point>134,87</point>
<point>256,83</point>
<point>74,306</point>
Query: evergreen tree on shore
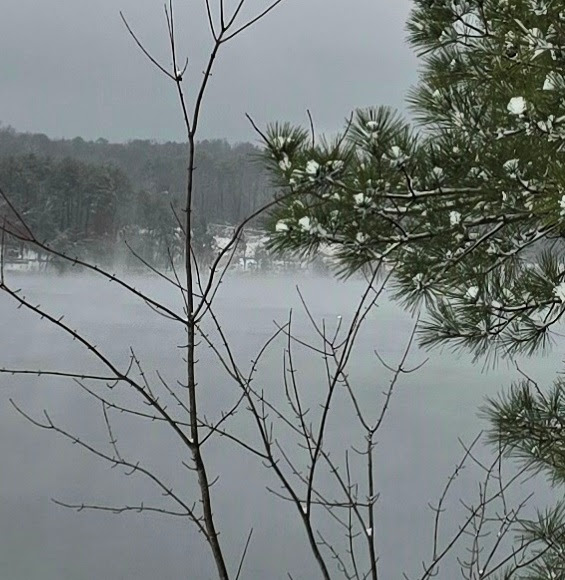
<point>467,204</point>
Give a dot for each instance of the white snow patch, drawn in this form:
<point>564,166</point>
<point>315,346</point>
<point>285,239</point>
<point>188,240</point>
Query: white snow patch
<point>304,223</point>
<point>438,173</point>
<point>360,198</point>
<point>361,238</point>
<point>549,83</point>
<point>285,163</point>
<point>336,164</point>
<point>454,218</point>
<point>472,292</point>
<point>312,167</point>
<point>395,152</point>
<point>511,166</point>
<point>517,106</point>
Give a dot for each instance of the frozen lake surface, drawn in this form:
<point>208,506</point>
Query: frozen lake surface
<point>417,450</point>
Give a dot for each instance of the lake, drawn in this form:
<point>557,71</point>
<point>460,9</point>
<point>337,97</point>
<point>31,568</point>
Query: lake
<point>418,446</point>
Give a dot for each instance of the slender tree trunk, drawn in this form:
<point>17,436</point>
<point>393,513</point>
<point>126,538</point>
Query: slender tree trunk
<point>191,382</point>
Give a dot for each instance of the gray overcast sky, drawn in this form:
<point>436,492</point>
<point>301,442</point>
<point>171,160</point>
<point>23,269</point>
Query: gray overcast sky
<point>68,67</point>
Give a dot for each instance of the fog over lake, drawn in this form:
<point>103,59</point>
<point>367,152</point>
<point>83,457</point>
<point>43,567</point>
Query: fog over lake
<point>417,449</point>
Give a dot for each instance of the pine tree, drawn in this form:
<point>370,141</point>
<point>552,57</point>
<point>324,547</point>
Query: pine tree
<point>467,204</point>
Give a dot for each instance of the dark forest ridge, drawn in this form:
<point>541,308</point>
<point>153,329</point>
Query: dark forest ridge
<point>86,194</point>
<point>149,164</point>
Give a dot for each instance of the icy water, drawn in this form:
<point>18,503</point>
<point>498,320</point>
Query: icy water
<point>418,445</point>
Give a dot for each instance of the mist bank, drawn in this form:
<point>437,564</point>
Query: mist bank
<point>417,451</point>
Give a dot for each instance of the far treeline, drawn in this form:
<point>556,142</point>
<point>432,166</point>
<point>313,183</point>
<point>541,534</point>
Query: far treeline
<point>86,195</point>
